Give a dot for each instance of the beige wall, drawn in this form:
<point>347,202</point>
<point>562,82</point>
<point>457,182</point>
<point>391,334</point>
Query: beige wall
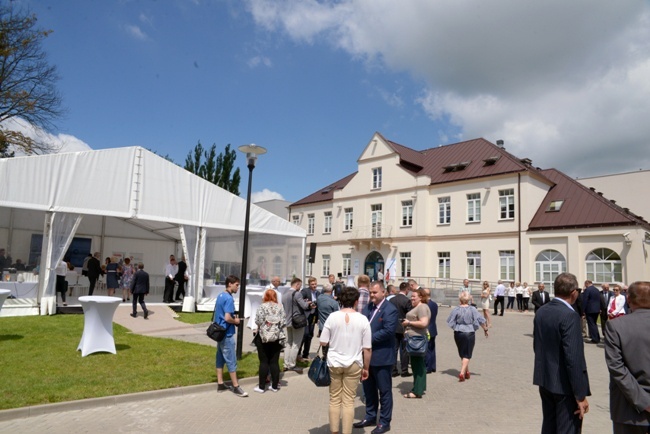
<point>630,190</point>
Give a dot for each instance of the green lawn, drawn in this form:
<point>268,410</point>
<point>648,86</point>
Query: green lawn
<point>40,363</point>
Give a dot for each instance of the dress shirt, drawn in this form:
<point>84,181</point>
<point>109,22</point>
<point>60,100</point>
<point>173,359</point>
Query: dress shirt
<point>61,269</point>
<point>171,271</point>
<point>566,303</point>
<point>364,299</point>
<point>500,290</point>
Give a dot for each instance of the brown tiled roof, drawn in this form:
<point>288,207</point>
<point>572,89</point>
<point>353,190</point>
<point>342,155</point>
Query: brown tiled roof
<point>325,194</point>
<point>582,207</point>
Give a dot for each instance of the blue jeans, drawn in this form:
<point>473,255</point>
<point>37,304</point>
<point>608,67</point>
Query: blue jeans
<point>226,353</point>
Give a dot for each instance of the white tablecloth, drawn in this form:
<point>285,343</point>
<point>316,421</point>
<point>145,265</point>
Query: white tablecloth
<point>98,324</point>
<point>21,290</point>
<point>4,293</point>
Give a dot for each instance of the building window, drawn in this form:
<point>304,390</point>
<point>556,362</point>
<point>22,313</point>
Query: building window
<point>604,266</point>
<point>295,219</point>
<point>548,264</point>
<point>327,226</point>
<point>407,213</point>
<point>376,178</point>
<point>326,265</point>
<point>474,265</point>
<point>507,204</point>
<point>444,210</point>
<point>474,207</point>
<point>347,264</point>
<point>555,206</point>
<point>310,224</point>
<point>348,219</point>
<point>507,265</point>
<point>294,266</point>
<point>405,262</point>
<point>277,266</point>
<point>308,268</point>
<point>375,220</point>
<point>444,265</point>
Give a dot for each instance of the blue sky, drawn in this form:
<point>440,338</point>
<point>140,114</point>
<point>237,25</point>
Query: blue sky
<point>564,84</point>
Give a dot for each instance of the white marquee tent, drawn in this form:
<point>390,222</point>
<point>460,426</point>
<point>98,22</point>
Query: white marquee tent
<point>130,195</point>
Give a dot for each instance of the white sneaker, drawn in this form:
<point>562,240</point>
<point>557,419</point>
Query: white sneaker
<point>258,390</point>
<point>274,390</point>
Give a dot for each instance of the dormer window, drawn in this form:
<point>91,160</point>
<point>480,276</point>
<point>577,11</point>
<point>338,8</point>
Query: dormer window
<point>457,167</point>
<point>555,206</point>
<point>490,161</point>
<point>376,178</point>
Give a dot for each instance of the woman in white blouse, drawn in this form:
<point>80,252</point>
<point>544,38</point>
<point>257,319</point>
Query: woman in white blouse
<point>616,305</point>
<point>525,296</point>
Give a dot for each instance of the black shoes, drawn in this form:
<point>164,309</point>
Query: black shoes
<point>364,423</point>
<point>146,314</point>
<point>133,314</point>
<point>405,374</point>
<point>380,429</point>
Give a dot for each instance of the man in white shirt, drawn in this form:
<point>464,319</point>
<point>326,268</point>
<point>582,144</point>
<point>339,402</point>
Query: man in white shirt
<point>61,270</point>
<point>466,288</point>
<point>171,270</point>
<point>499,294</point>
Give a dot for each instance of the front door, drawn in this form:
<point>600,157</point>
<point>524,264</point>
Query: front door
<point>374,262</point>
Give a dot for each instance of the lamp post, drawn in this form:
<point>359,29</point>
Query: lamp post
<point>251,151</point>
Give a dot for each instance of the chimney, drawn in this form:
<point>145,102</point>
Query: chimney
<point>500,144</point>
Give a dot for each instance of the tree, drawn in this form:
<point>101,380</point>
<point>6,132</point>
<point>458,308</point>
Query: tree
<point>217,169</point>
<point>27,80</point>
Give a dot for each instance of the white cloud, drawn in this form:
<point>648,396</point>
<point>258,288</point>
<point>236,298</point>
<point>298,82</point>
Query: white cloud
<point>59,143</point>
<point>136,32</point>
<point>564,83</point>
<point>266,194</point>
<point>256,61</point>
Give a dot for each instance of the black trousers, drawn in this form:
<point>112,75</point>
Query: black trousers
<point>379,394</point>
<point>520,301</point>
<point>525,302</point>
<point>499,299</point>
<point>400,346</point>
<point>592,319</point>
<point>557,411</point>
<point>91,286</point>
<point>61,286</point>
<point>603,322</point>
<point>307,337</point>
<point>168,295</point>
<point>181,289</point>
<point>139,298</point>
<point>269,355</point>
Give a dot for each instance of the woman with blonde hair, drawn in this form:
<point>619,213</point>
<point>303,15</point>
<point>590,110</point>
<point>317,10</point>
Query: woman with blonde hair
<point>465,320</point>
<point>485,302</point>
<point>270,338</point>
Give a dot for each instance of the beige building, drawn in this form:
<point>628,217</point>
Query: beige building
<point>467,210</point>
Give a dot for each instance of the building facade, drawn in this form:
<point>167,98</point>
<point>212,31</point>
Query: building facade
<point>467,210</point>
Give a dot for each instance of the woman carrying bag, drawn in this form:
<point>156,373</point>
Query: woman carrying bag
<point>415,327</point>
<point>270,338</point>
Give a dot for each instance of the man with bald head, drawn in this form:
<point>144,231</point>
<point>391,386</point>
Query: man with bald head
<point>627,352</point>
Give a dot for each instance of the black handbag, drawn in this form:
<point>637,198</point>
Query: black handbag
<point>297,321</point>
<point>416,345</point>
<point>319,373</point>
<point>216,332</point>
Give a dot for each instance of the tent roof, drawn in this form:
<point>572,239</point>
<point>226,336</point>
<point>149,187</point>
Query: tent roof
<point>133,184</point>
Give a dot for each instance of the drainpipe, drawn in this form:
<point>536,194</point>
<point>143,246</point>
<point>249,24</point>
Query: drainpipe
<point>519,221</point>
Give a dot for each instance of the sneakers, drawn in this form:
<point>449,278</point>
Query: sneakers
<point>274,390</point>
<point>258,390</point>
<point>222,387</point>
<point>239,392</point>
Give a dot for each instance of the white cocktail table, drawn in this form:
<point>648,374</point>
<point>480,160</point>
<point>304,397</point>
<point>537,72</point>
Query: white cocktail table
<point>98,324</point>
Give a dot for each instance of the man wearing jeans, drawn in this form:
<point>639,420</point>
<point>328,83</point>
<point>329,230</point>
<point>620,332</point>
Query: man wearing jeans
<point>224,315</point>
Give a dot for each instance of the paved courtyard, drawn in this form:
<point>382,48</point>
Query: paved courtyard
<point>499,398</point>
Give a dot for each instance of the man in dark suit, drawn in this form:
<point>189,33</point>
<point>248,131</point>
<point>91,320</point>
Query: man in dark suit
<point>540,297</point>
<point>94,271</point>
<point>560,366</point>
<point>181,278</point>
<point>310,294</point>
<point>591,310</point>
<point>627,352</point>
<point>140,288</point>
<point>430,356</point>
<point>403,305</point>
<point>378,387</point>
<point>605,296</point>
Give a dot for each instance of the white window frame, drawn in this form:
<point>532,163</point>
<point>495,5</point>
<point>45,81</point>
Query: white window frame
<point>474,265</point>
<point>604,265</point>
<point>444,210</point>
<point>376,178</point>
<point>407,213</point>
<point>311,223</point>
<point>326,265</point>
<point>444,265</point>
<point>349,218</point>
<point>548,264</point>
<point>376,220</point>
<point>507,204</point>
<point>327,224</point>
<point>308,268</point>
<point>277,265</point>
<point>405,262</point>
<point>507,265</point>
<point>347,264</point>
<point>473,207</point>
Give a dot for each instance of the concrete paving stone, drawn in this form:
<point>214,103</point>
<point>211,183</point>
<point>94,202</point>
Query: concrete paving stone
<point>499,398</point>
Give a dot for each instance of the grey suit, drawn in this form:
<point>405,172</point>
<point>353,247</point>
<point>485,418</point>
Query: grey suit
<point>627,352</point>
<point>560,366</point>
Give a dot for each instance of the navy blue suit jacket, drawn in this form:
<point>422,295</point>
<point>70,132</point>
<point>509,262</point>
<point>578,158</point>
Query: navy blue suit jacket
<point>560,365</point>
<point>383,327</point>
<point>591,300</point>
<point>433,328</point>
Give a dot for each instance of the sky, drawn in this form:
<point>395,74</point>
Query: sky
<point>566,84</point>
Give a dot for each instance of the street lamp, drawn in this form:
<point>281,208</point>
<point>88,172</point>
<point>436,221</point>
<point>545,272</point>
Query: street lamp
<point>251,151</point>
